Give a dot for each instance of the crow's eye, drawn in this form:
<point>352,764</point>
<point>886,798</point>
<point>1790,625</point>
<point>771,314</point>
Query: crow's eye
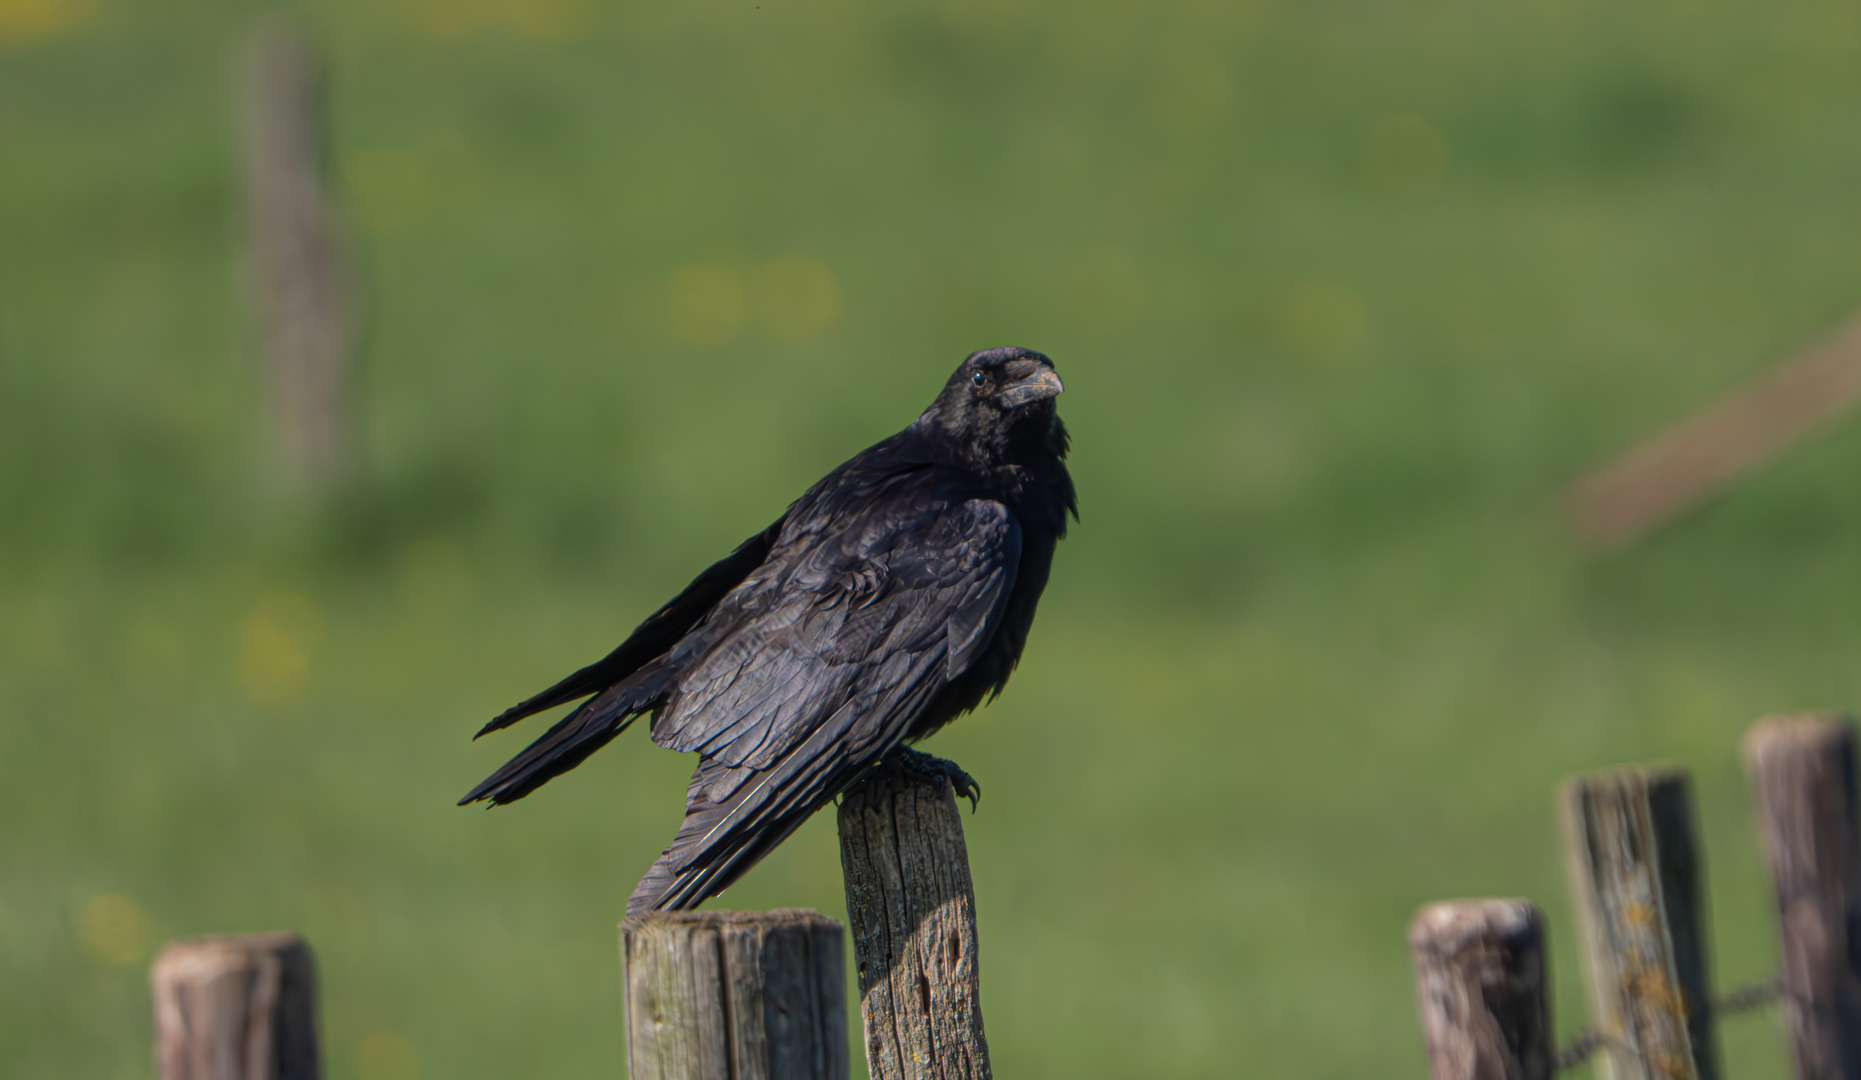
<point>979,380</point>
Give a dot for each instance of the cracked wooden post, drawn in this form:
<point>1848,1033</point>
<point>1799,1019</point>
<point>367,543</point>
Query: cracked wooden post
<point>913,911</point>
<point>735,995</point>
<point>1481,979</point>
<point>1804,769</point>
<point>1636,876</point>
<point>236,1008</point>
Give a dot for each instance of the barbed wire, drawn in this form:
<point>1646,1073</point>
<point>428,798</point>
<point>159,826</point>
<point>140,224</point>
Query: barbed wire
<point>1577,1050</point>
<point>1744,999</point>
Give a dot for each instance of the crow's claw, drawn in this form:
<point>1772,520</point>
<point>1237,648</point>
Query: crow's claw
<point>919,763</point>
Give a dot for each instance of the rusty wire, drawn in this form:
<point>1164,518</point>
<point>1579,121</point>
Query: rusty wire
<point>1744,999</point>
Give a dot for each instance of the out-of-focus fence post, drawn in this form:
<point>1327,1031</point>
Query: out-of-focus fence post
<point>1804,769</point>
<point>236,1008</point>
<point>735,995</point>
<point>1481,979</point>
<point>1636,877</point>
<point>913,910</point>
<point>300,282</point>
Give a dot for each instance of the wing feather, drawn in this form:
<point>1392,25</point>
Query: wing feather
<point>654,636</point>
<point>802,689</point>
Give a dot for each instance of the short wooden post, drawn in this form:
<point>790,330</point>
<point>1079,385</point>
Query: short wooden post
<point>913,910</point>
<point>735,995</point>
<point>1636,877</point>
<point>236,1008</point>
<point>299,275</point>
<point>1481,979</point>
<point>1804,768</point>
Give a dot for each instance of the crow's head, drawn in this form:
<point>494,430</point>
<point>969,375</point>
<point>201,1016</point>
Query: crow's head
<point>997,398</point>
<point>1013,381</point>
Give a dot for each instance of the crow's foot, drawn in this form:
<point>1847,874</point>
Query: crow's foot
<point>919,763</point>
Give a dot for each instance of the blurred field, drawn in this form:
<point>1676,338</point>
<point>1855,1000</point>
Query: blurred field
<point>1342,292</point>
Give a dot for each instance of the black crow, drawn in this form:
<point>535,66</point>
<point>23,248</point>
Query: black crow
<point>889,599</point>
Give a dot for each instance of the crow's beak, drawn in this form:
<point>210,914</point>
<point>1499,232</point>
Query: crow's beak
<point>1043,385</point>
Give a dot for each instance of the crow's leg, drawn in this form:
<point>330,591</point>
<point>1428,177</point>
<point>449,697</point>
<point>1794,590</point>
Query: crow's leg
<point>920,764</point>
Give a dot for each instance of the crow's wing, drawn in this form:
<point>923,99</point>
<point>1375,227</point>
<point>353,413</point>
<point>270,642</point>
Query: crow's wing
<point>661,630</point>
<point>631,680</point>
<point>816,666</point>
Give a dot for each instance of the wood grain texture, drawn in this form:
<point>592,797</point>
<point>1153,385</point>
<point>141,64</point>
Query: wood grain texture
<point>236,1008</point>
<point>1480,977</point>
<point>913,910</point>
<point>299,275</point>
<point>735,995</point>
<point>1636,877</point>
<point>1804,769</point>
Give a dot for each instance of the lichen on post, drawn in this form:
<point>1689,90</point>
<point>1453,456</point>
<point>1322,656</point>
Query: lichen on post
<point>1635,873</point>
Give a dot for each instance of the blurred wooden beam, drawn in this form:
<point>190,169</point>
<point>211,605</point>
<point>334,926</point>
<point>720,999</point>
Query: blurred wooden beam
<point>1480,975</point>
<point>236,1008</point>
<point>299,279</point>
<point>1658,479</point>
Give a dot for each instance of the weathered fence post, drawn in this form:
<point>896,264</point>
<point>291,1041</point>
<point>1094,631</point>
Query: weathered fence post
<point>1804,768</point>
<point>298,275</point>
<point>735,995</point>
<point>1636,877</point>
<point>236,1008</point>
<point>1481,979</point>
<point>913,911</point>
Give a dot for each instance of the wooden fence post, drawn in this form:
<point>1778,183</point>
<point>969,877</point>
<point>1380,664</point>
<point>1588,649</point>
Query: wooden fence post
<point>1481,979</point>
<point>236,1008</point>
<point>298,273</point>
<point>1636,878</point>
<point>1804,768</point>
<point>913,911</point>
<point>735,995</point>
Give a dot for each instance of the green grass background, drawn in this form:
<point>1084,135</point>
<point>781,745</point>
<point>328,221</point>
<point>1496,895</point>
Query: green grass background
<point>1342,292</point>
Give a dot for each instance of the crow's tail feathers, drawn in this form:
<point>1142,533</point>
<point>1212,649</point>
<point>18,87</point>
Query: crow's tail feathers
<point>708,856</point>
<point>672,884</point>
<point>573,738</point>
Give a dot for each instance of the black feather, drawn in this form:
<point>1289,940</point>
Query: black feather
<point>890,598</point>
<point>659,632</point>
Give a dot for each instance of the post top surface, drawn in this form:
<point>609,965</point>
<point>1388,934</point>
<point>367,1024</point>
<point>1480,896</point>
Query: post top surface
<point>203,957</point>
<point>1657,775</point>
<point>1449,924</point>
<point>1798,730</point>
<point>776,918</point>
